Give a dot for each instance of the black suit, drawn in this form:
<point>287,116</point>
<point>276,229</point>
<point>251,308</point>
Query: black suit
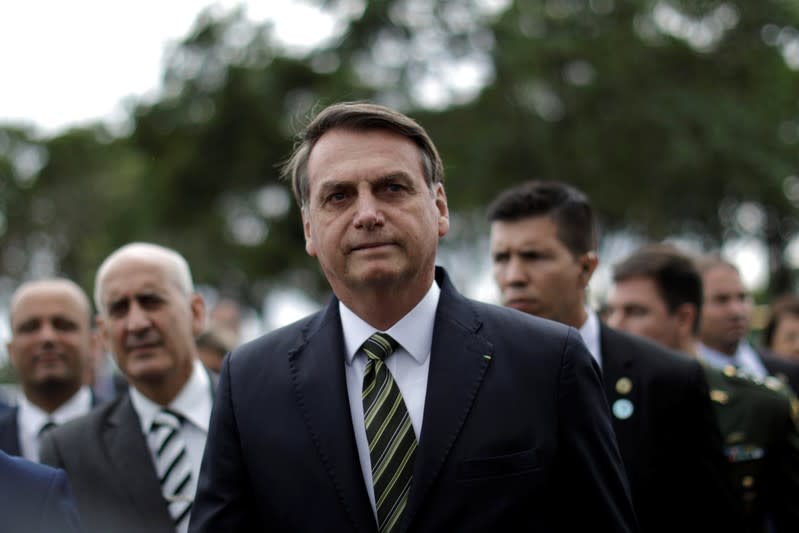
<point>670,443</point>
<point>109,464</point>
<point>516,432</point>
<point>35,498</point>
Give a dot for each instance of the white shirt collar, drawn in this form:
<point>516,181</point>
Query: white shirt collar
<point>744,358</point>
<point>414,331</point>
<point>589,331</point>
<point>31,418</point>
<point>193,402</point>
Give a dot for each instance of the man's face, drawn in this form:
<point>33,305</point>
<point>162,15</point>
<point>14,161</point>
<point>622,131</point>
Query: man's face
<point>371,219</point>
<point>148,322</point>
<point>50,335</point>
<point>785,341</point>
<point>535,272</point>
<point>636,306</point>
<point>726,311</point>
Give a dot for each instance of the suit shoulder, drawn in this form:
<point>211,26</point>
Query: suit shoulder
<point>19,470</point>
<point>648,354</point>
<point>86,425</point>
<point>507,318</point>
<point>279,340</point>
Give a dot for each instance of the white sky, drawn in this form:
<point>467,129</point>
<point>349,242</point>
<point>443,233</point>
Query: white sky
<point>64,63</point>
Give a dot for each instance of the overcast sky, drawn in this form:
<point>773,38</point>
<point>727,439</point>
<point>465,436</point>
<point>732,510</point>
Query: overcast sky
<point>64,63</point>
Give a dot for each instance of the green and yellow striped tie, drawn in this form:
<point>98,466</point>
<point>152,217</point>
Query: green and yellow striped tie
<point>392,442</point>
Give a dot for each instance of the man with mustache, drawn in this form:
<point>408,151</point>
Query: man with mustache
<point>50,346</point>
<point>133,464</point>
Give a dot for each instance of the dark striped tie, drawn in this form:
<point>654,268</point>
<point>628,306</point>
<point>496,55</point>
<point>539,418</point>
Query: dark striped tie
<point>172,466</point>
<point>392,442</point>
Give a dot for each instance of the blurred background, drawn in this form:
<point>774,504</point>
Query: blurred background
<point>162,123</point>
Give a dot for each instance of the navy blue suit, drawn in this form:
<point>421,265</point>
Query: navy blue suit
<point>516,432</point>
<point>35,498</point>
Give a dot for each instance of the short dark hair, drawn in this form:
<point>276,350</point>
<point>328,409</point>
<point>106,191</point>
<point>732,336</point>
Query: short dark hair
<point>568,207</point>
<point>675,274</point>
<point>784,305</point>
<point>358,116</point>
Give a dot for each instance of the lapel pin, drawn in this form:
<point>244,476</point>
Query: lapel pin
<point>622,409</point>
<point>624,386</point>
<point>487,357</point>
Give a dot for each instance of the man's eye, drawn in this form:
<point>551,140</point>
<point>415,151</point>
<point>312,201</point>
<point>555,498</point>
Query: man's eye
<point>118,309</point>
<point>500,258</point>
<point>150,301</point>
<point>28,327</point>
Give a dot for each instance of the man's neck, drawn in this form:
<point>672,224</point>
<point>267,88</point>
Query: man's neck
<point>51,396</point>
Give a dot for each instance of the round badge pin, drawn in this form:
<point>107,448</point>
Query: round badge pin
<point>624,386</point>
<point>622,409</point>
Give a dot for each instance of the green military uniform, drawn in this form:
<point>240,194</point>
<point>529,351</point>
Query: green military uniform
<point>758,421</point>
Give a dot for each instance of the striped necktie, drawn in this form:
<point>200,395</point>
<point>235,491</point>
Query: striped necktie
<point>392,442</point>
<point>172,466</point>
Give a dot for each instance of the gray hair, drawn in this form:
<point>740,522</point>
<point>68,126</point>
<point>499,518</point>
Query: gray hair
<point>358,116</point>
<point>175,264</point>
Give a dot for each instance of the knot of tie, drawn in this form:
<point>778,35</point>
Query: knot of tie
<point>166,418</point>
<point>379,346</point>
<point>47,426</point>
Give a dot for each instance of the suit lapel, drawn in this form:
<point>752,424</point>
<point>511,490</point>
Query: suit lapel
<point>130,457</point>
<point>317,366</point>
<point>9,432</point>
<point>458,361</point>
<point>622,390</point>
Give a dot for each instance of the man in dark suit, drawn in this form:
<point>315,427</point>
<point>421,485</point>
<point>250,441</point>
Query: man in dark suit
<point>657,293</point>
<point>543,242</point>
<point>35,498</point>
<point>726,319</point>
<point>50,348</point>
<point>403,406</point>
<point>134,463</point>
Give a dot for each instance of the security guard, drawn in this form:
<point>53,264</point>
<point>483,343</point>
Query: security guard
<point>657,293</point>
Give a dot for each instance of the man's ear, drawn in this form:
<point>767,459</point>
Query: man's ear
<point>686,314</point>
<point>588,263</point>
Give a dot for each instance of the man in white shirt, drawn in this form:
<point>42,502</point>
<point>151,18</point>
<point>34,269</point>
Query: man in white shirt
<point>50,346</point>
<point>134,463</point>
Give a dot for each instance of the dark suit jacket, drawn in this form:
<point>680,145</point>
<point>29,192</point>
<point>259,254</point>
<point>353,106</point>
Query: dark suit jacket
<point>35,498</point>
<point>787,371</point>
<point>108,462</point>
<point>9,430</point>
<point>516,433</point>
<point>670,443</point>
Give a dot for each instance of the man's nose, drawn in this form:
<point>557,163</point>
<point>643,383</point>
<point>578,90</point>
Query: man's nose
<point>368,211</point>
<point>137,318</point>
<point>515,272</point>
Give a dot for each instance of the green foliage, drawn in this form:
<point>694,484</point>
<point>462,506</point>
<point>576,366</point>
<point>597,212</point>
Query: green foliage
<point>670,115</point>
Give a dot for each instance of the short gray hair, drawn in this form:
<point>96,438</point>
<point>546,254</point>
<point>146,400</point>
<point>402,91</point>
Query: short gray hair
<point>358,116</point>
<point>175,264</point>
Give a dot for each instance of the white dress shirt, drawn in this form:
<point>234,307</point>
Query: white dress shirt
<point>194,403</point>
<point>745,358</point>
<point>31,419</point>
<point>590,334</point>
<point>409,365</point>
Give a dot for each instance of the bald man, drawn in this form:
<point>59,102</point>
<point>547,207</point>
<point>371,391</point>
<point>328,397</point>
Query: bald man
<point>50,346</point>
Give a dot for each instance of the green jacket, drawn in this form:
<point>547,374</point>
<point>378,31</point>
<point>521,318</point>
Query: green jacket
<point>758,421</point>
